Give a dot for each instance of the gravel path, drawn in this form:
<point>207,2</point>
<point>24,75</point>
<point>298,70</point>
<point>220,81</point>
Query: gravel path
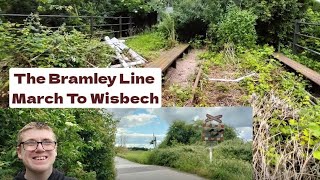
<point>185,69</point>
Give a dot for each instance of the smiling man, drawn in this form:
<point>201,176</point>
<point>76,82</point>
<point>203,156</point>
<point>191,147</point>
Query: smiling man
<point>37,148</point>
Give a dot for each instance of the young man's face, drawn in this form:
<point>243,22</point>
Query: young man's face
<point>37,160</point>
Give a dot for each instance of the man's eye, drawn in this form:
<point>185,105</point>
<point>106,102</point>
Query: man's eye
<point>30,143</point>
<point>47,142</point>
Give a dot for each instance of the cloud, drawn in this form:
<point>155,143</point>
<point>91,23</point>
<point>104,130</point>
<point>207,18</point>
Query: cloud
<point>196,118</point>
<point>245,133</point>
<point>121,130</point>
<point>141,135</point>
<point>137,139</point>
<point>136,120</point>
<point>148,146</point>
<point>232,116</point>
<point>120,112</point>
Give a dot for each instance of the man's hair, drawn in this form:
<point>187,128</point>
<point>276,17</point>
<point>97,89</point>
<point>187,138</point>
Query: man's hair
<point>34,125</point>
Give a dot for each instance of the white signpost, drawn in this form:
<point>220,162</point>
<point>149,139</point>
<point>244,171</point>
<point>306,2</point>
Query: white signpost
<point>213,130</point>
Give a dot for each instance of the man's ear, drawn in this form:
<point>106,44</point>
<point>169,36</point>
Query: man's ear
<point>56,149</point>
<point>19,152</point>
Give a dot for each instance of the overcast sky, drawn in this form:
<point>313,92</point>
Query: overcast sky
<point>138,125</point>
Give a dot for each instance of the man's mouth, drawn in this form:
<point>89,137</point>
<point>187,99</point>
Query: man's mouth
<point>40,158</point>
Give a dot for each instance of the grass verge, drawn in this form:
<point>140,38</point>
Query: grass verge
<point>231,159</point>
<point>148,44</point>
<point>141,157</point>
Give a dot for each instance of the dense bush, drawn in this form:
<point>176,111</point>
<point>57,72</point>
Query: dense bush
<point>182,133</point>
<point>165,157</point>
<point>312,16</point>
<point>236,149</point>
<point>229,133</point>
<point>196,14</point>
<point>142,157</point>
<point>238,27</point>
<point>85,137</point>
<point>233,169</point>
<point>34,45</point>
<point>195,159</point>
<point>167,28</point>
<point>275,18</point>
<point>79,7</point>
<point>305,58</point>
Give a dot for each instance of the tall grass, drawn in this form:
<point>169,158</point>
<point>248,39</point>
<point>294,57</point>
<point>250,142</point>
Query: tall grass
<point>231,159</point>
<point>274,159</point>
<point>226,165</point>
<point>167,27</point>
<point>142,157</point>
<point>148,44</point>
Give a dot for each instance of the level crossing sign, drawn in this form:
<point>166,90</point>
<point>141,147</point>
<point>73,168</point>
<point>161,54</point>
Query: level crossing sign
<point>213,128</point>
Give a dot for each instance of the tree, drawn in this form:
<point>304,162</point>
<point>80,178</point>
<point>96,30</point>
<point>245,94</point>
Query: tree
<point>180,132</point>
<point>229,133</point>
<point>238,27</point>
<point>196,14</point>
<point>122,140</point>
<point>276,17</point>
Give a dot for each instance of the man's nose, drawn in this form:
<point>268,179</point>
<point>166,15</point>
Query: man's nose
<point>40,147</point>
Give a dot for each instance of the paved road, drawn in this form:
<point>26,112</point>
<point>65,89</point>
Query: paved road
<point>127,170</point>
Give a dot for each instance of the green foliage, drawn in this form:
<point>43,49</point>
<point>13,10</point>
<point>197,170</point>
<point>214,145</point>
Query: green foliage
<point>233,169</point>
<point>148,44</point>
<point>271,77</point>
<point>290,113</point>
<point>164,157</point>
<point>179,95</point>
<point>196,14</point>
<point>181,133</point>
<point>213,36</point>
<point>142,157</point>
<point>37,46</point>
<point>311,16</point>
<point>275,18</point>
<point>229,133</point>
<point>211,59</point>
<point>235,148</point>
<point>206,11</point>
<point>231,164</point>
<point>133,6</point>
<point>17,6</point>
<point>158,5</point>
<point>85,150</point>
<point>309,128</point>
<point>77,7</point>
<point>199,42</point>
<point>237,27</point>
<point>304,58</point>
<point>167,27</point>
